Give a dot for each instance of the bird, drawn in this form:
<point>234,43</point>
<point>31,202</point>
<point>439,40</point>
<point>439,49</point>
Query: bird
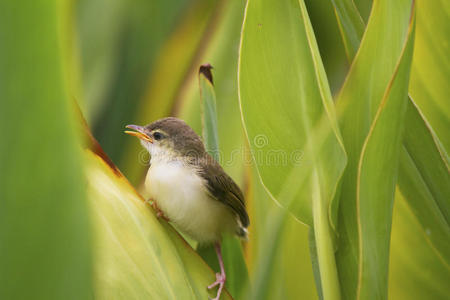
<point>188,187</point>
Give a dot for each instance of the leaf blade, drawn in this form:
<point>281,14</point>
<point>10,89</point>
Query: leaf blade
<point>375,204</point>
<point>277,43</point>
<point>357,104</point>
<point>431,66</point>
<point>136,254</point>
<point>351,25</point>
<point>233,255</point>
<point>424,180</point>
<point>45,240</point>
<point>423,175</point>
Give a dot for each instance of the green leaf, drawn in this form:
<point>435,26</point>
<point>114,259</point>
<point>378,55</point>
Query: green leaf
<point>269,258</point>
<point>431,67</point>
<point>268,56</point>
<point>351,25</point>
<point>331,47</point>
<point>365,118</point>
<point>291,123</point>
<point>45,241</point>
<point>424,181</point>
<point>136,255</point>
<point>415,271</point>
<point>315,262</point>
<point>209,111</point>
<point>277,252</point>
<point>364,8</point>
<point>235,266</point>
<point>377,172</point>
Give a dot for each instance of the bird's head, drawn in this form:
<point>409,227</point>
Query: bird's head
<point>168,137</point>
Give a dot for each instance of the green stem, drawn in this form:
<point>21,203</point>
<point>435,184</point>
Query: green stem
<point>324,244</point>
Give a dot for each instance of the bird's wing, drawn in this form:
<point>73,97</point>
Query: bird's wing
<point>224,189</point>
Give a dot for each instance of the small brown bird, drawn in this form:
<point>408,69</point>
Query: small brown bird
<point>190,188</point>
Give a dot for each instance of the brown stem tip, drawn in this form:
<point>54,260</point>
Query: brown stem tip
<point>205,69</point>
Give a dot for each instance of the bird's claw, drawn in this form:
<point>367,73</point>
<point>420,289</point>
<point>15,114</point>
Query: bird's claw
<point>159,213</point>
<point>220,281</point>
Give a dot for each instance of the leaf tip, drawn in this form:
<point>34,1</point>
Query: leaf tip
<point>205,69</point>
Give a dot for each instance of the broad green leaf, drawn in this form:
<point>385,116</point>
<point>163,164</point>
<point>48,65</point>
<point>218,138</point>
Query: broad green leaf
<point>288,112</point>
<point>415,272</point>
<point>424,181</point>
<point>45,241</point>
<point>431,66</point>
<point>283,118</point>
<point>357,104</point>
<point>136,255</point>
<point>377,174</point>
<point>235,268</point>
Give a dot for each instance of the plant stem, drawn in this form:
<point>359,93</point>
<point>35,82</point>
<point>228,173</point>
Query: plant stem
<point>324,244</point>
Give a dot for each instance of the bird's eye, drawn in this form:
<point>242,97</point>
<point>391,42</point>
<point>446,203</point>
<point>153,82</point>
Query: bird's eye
<point>157,136</point>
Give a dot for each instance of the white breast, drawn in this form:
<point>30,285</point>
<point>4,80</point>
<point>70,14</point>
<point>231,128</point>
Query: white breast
<point>182,195</point>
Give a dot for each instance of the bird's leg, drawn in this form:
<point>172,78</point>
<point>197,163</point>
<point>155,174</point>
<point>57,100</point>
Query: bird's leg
<point>159,212</point>
<point>220,277</point>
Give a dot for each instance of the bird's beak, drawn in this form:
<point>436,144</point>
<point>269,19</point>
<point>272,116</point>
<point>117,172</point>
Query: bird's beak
<point>138,132</point>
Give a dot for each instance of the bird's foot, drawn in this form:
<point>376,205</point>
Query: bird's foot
<point>220,281</point>
<point>159,213</point>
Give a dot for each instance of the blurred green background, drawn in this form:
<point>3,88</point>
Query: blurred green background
<point>73,228</point>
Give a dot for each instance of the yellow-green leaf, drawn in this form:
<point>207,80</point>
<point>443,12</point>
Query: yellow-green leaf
<point>282,117</point>
<point>416,272</point>
<point>45,239</point>
<point>431,66</point>
<point>377,174</point>
<point>289,119</point>
<point>136,255</point>
<point>424,180</point>
<point>358,102</point>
